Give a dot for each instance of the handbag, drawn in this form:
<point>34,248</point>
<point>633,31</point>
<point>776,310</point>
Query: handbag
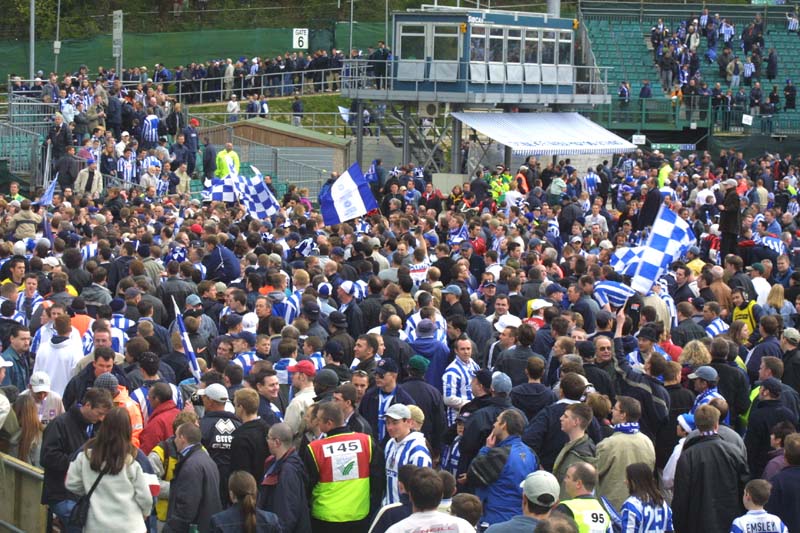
<point>80,513</point>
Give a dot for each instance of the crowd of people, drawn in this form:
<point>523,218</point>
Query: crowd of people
<point>448,361</point>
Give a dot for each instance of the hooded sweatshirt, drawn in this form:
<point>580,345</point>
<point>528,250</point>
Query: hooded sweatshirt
<point>57,358</point>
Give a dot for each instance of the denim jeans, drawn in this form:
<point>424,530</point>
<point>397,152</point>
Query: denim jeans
<point>62,510</point>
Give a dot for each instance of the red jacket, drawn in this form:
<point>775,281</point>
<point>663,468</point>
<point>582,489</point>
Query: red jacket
<point>159,426</point>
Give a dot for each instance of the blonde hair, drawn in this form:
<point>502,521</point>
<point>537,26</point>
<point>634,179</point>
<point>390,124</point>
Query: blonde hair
<point>776,297</point>
<point>695,354</point>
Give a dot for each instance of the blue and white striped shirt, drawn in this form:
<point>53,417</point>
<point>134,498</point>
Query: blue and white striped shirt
<point>246,360</point>
<point>384,401</point>
<point>162,187</point>
<point>319,360</point>
<point>126,168</point>
<point>118,340</point>
<point>150,161</point>
<point>410,450</point>
<point>456,382</point>
<point>89,251</point>
<point>748,70</point>
<point>716,327</point>
<point>150,128</point>
<point>120,322</point>
<point>25,312</point>
<point>202,268</point>
<point>759,520</point>
<point>140,396</point>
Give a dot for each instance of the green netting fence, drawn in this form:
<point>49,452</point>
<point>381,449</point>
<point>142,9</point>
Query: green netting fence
<point>180,48</point>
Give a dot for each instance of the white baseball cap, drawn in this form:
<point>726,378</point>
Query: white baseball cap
<point>40,382</point>
<point>215,391</point>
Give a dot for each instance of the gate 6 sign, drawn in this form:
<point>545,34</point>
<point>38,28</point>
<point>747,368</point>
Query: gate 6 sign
<point>300,38</point>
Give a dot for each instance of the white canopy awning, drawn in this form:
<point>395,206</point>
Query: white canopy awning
<point>546,133</point>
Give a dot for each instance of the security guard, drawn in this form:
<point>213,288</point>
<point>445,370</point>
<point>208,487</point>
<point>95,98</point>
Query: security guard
<point>583,507</point>
<point>346,472</point>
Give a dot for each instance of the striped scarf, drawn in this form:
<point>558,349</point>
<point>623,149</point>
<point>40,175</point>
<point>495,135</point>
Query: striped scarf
<point>629,428</point>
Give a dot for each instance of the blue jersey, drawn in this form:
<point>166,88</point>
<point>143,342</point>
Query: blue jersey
<point>411,450</point>
<point>640,517</point>
<point>246,360</point>
<point>150,128</point>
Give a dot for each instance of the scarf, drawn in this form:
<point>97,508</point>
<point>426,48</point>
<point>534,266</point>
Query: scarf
<point>629,428</point>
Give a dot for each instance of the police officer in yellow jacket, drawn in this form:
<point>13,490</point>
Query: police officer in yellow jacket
<point>587,511</point>
<point>346,475</point>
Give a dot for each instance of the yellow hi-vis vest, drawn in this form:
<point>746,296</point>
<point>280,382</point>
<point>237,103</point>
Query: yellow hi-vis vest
<point>746,315</point>
<point>342,493</point>
<point>589,515</point>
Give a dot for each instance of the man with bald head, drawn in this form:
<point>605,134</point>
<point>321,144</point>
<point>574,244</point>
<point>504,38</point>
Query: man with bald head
<point>227,160</point>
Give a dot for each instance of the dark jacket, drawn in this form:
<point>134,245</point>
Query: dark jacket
<point>513,362</point>
<point>687,330</point>
<point>480,331</point>
<point>730,219</point>
<point>763,416</point>
<point>648,390</point>
<point>355,320</point>
<point>430,400</point>
<point>530,398</point>
<point>231,521</point>
<point>681,401</point>
<point>249,446</point>
<point>217,428</point>
<point>600,380</point>
<point>84,380</point>
<point>221,265</point>
<point>545,437</point>
<point>734,388</point>
<point>398,350</point>
<point>393,514</point>
<point>62,437</point>
<point>478,426</point>
<point>358,424</point>
<point>709,483</point>
<point>174,287</point>
<point>371,311</point>
<point>120,268</point>
<point>194,492</point>
<point>284,490</point>
<point>784,500</point>
<point>368,408</point>
<point>791,369</point>
<point>209,161</point>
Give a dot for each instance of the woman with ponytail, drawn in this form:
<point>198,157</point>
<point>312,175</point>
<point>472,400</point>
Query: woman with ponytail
<point>243,515</point>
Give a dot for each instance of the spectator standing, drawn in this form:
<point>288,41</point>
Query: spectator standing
<point>539,496</point>
<point>217,427</point>
<point>159,423</point>
<point>425,492</point>
<point>244,515</point>
<point>784,500</point>
<point>249,441</point>
<point>580,503</point>
<point>645,510</point>
<point>61,439</point>
<point>756,495</point>
<point>405,446</point>
<point>297,112</point>
<point>708,470</point>
<point>284,487</point>
<point>580,448</point>
<point>108,463</point>
<point>194,491</point>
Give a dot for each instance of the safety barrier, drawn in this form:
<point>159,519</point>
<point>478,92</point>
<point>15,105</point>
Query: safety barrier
<point>20,509</point>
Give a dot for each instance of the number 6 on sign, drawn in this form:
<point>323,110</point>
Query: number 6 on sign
<point>300,39</point>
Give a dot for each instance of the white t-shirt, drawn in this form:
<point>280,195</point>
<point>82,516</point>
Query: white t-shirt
<point>432,522</point>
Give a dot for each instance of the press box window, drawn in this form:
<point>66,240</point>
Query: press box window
<point>412,41</point>
<point>445,43</point>
<point>477,44</point>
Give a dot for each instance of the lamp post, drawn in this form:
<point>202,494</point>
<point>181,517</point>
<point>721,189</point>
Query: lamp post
<point>32,41</point>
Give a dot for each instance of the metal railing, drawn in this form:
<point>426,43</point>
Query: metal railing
<point>730,121</point>
<point>361,75</point>
<point>672,14</point>
<point>22,148</point>
<point>20,509</point>
<point>644,114</point>
<point>30,113</point>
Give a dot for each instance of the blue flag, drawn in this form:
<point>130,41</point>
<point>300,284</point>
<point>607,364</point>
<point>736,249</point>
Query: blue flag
<point>47,197</point>
<point>372,173</point>
<point>347,198</point>
<point>256,196</point>
<point>668,240</point>
<point>188,351</point>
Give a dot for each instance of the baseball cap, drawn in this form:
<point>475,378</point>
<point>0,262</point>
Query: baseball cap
<point>132,292</point>
<point>758,267</point>
<point>452,289</point>
<point>576,238</point>
<point>416,414</point>
<point>507,321</point>
<point>232,320</point>
<point>553,288</point>
<point>52,261</point>
<point>419,362</point>
<point>40,382</point>
<point>338,319</point>
<point>386,365</point>
<point>327,378</point>
<point>334,348</point>
<point>730,182</point>
<point>398,411</point>
<point>347,286</point>
<point>338,250</point>
<point>773,385</point>
<point>117,305</point>
<point>501,382</point>
<point>216,392</point>
<point>705,373</point>
<point>541,488</point>
<point>193,299</point>
<point>540,303</point>
<point>605,244</point>
<point>325,289</point>
<point>311,309</point>
<point>107,381</point>
<point>250,338</point>
<point>426,328</point>
<point>792,335</point>
<point>304,367</point>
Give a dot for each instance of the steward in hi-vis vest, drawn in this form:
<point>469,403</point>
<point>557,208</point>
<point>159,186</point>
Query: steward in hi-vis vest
<point>346,472</point>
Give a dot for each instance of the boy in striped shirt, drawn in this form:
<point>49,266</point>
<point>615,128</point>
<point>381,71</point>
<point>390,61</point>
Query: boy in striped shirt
<point>404,447</point>
<point>756,494</point>
<point>457,379</point>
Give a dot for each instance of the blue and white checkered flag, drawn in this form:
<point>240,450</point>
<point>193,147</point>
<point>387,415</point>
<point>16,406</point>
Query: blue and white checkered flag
<point>188,351</point>
<point>613,293</point>
<point>668,240</point>
<point>256,196</point>
<point>220,190</point>
<point>625,260</point>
